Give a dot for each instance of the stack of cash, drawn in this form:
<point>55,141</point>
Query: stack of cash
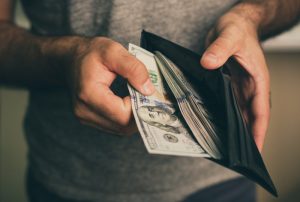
<point>172,127</point>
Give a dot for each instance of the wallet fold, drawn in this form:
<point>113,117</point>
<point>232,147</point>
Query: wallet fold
<point>215,87</point>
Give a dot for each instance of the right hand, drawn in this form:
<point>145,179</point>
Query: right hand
<point>95,68</point>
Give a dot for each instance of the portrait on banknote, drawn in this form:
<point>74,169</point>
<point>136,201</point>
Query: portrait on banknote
<point>160,117</point>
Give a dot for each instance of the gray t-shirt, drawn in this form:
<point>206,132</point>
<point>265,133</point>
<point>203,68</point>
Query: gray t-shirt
<point>80,162</point>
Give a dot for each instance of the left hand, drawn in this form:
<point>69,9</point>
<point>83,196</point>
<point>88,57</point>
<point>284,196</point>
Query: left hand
<point>236,36</point>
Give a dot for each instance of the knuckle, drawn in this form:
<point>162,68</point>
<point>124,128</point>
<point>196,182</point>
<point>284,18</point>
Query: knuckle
<point>79,112</point>
<point>221,44</point>
<point>115,47</point>
<point>101,41</point>
<point>109,52</point>
<point>224,46</point>
<point>85,92</point>
<point>106,46</point>
<point>111,48</point>
<point>122,123</point>
<point>99,44</point>
<point>83,96</point>
<point>133,68</point>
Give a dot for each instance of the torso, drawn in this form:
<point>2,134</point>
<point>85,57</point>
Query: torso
<point>82,162</point>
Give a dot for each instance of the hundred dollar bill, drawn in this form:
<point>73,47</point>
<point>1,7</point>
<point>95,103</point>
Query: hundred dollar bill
<point>191,106</point>
<point>156,116</point>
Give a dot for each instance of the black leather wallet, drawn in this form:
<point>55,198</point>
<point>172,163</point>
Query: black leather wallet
<point>215,87</point>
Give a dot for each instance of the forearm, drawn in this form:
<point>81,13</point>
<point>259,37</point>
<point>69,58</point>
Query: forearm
<point>270,17</point>
<point>30,61</point>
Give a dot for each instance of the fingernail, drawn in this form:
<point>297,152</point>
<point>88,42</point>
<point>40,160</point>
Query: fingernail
<point>211,58</point>
<point>148,87</point>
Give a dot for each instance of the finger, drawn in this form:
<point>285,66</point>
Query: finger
<point>106,123</point>
<point>102,100</point>
<point>255,99</point>
<point>210,38</point>
<point>219,51</point>
<point>261,114</point>
<point>95,92</point>
<point>95,120</point>
<point>95,71</point>
<point>88,117</point>
<point>255,64</point>
<point>126,65</point>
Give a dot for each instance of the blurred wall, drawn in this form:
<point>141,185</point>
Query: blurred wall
<point>282,149</point>
<point>12,145</point>
<point>12,141</point>
<point>280,153</point>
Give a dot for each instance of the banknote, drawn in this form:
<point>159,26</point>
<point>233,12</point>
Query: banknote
<point>191,106</point>
<point>157,116</point>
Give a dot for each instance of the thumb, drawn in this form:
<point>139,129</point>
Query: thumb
<point>134,71</point>
<point>219,51</point>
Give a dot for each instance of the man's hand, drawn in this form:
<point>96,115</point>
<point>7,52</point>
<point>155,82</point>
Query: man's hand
<point>86,66</point>
<point>95,68</point>
<point>236,36</point>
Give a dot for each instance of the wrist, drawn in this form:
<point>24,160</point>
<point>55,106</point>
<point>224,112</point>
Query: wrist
<point>259,14</point>
<point>60,55</point>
